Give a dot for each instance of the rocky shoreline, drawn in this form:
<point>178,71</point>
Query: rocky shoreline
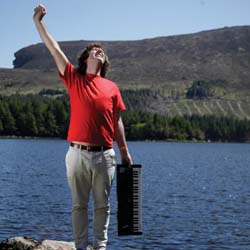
<point>27,243</point>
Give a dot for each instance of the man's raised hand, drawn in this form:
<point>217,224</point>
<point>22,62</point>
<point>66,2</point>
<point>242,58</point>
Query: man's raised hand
<point>39,12</point>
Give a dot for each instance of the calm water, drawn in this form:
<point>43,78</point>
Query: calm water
<point>195,196</point>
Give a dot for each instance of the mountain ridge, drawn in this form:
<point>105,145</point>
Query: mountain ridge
<point>183,56</point>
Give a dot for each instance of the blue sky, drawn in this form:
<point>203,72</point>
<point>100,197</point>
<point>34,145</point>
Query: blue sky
<point>114,20</point>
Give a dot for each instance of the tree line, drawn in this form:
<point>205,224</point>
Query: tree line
<point>40,116</point>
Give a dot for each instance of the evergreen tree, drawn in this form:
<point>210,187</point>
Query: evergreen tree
<point>8,121</point>
<point>51,128</point>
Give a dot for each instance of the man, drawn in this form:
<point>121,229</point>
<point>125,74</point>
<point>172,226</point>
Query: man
<point>95,120</point>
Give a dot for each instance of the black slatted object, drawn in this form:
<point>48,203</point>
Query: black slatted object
<point>129,213</point>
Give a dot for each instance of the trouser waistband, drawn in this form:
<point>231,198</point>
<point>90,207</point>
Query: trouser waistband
<point>89,148</point>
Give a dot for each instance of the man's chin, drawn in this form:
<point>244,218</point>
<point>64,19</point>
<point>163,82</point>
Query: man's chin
<point>100,60</point>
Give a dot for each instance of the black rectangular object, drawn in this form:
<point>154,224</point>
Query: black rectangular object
<point>129,199</point>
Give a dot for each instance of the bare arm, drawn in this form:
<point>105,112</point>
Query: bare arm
<point>121,142</point>
<point>52,45</point>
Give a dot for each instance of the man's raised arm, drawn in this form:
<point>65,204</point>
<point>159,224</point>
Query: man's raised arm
<point>52,45</point>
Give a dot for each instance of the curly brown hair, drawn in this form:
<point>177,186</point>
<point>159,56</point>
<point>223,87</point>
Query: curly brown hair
<point>82,60</point>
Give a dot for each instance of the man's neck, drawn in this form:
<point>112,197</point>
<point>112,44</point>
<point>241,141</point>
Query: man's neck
<point>93,69</point>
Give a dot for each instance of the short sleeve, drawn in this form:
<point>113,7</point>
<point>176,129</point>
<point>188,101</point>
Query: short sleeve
<point>69,75</point>
<point>118,102</point>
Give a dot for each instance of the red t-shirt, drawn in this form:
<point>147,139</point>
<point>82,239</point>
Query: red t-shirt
<point>94,101</point>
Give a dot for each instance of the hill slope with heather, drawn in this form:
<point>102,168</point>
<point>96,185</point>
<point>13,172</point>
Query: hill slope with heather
<point>201,73</point>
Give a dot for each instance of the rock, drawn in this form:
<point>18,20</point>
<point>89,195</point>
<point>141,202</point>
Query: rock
<point>26,243</point>
<point>58,245</point>
<point>19,243</point>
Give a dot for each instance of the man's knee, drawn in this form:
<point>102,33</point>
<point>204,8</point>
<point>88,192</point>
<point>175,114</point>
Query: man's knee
<point>101,207</point>
<point>79,207</point>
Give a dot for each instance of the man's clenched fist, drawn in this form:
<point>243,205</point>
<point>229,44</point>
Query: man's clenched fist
<point>40,12</point>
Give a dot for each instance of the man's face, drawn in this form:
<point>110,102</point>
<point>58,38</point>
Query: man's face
<point>97,54</point>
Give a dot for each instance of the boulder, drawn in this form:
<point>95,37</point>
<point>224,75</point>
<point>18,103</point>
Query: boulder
<point>19,243</point>
<point>26,243</point>
<point>58,245</point>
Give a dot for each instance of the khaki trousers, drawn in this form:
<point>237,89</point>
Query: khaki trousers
<point>86,172</point>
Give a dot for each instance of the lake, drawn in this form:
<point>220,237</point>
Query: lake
<point>195,195</point>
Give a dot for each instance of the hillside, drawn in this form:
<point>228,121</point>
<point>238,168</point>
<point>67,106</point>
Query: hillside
<point>156,74</point>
